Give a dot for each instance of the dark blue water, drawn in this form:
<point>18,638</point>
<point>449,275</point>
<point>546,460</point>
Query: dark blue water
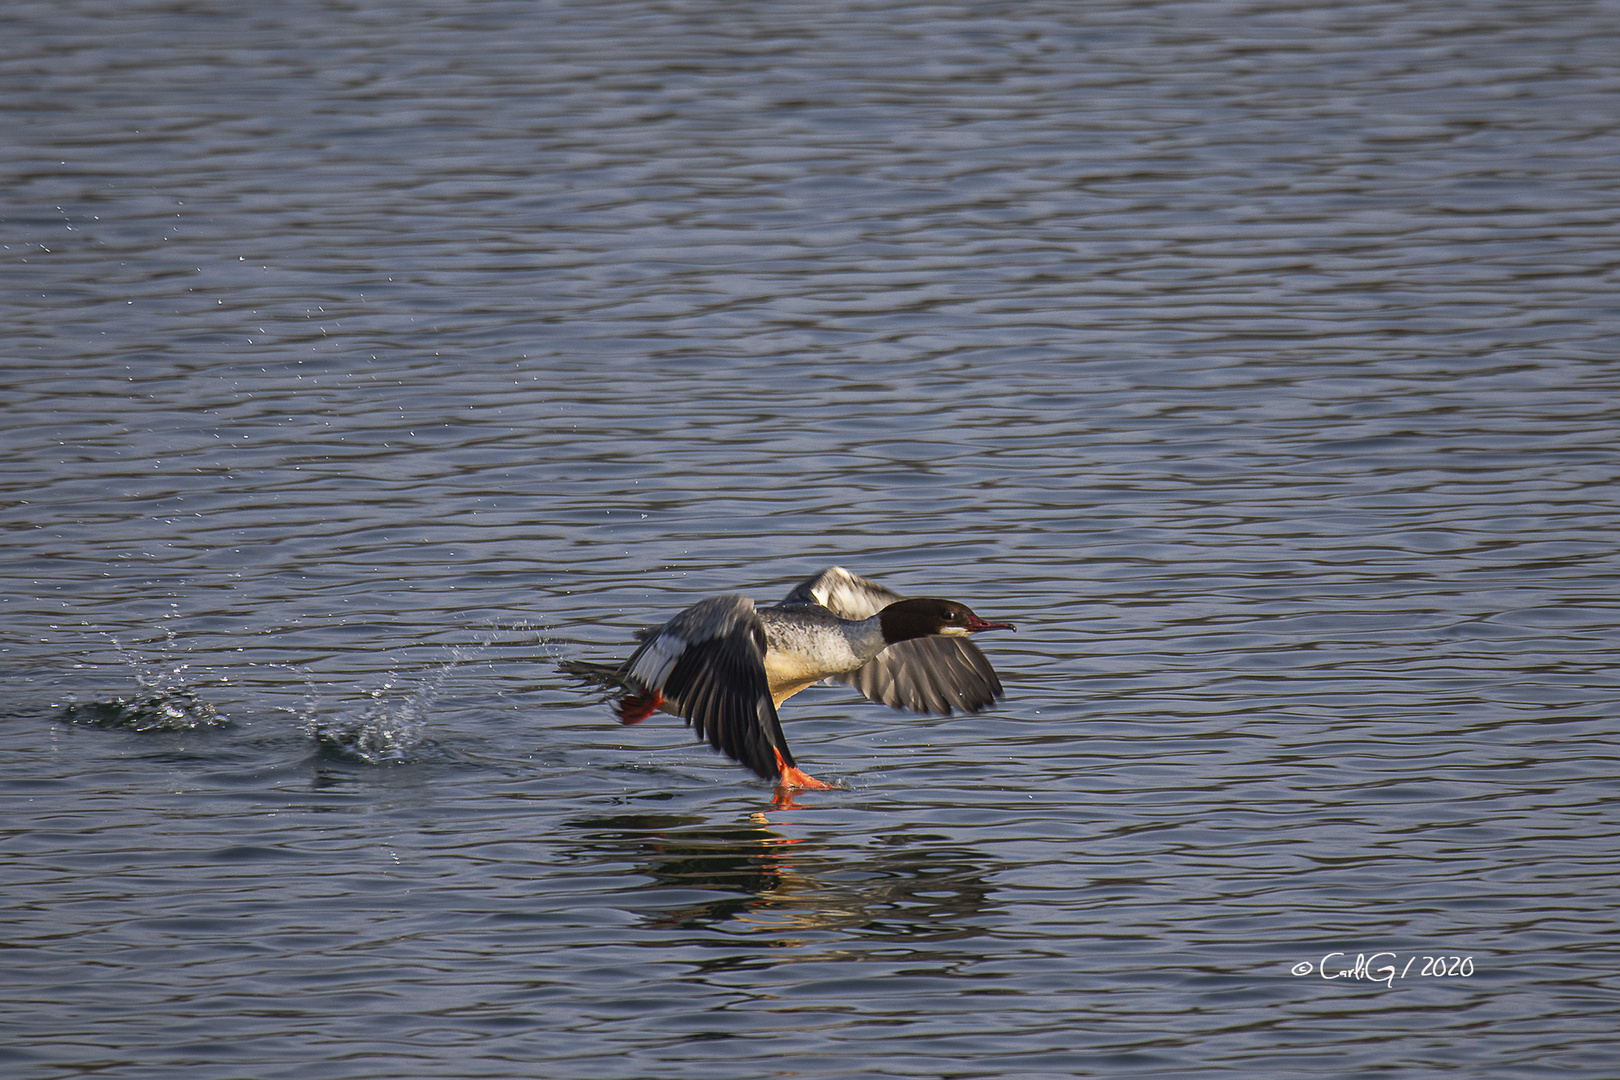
<point>363,362</point>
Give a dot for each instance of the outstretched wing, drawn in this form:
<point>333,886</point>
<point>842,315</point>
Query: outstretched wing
<point>925,675</point>
<point>707,664</point>
<point>928,675</point>
<point>847,595</point>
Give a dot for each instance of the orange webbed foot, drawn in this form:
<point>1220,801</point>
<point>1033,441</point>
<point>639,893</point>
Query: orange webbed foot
<point>791,776</point>
<point>798,778</point>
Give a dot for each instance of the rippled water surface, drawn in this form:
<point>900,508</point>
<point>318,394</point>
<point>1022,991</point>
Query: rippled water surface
<point>364,361</point>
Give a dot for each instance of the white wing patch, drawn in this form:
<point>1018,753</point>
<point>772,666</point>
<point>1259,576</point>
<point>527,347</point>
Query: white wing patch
<point>847,595</point>
<point>654,660</point>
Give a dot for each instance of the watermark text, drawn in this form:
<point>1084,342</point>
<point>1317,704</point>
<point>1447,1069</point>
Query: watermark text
<point>1385,967</point>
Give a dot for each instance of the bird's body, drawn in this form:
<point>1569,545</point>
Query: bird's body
<point>806,643</point>
<point>726,666</point>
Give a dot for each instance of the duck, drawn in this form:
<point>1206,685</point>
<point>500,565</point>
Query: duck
<point>726,665</point>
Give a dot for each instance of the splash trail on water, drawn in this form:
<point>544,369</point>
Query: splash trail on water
<point>165,698</point>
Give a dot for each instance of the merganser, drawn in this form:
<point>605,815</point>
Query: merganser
<point>726,666</point>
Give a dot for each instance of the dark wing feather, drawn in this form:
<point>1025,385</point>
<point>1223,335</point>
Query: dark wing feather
<point>928,675</point>
<point>708,663</point>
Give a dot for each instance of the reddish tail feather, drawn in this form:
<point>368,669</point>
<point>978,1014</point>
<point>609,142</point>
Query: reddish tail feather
<point>634,708</point>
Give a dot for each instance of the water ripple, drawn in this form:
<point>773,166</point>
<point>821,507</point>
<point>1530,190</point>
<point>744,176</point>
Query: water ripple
<point>1257,361</point>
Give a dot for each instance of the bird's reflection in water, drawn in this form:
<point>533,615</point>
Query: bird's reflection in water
<point>911,886</point>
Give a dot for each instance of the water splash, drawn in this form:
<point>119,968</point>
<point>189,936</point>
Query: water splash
<point>165,698</point>
<point>390,728</point>
<point>169,710</point>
